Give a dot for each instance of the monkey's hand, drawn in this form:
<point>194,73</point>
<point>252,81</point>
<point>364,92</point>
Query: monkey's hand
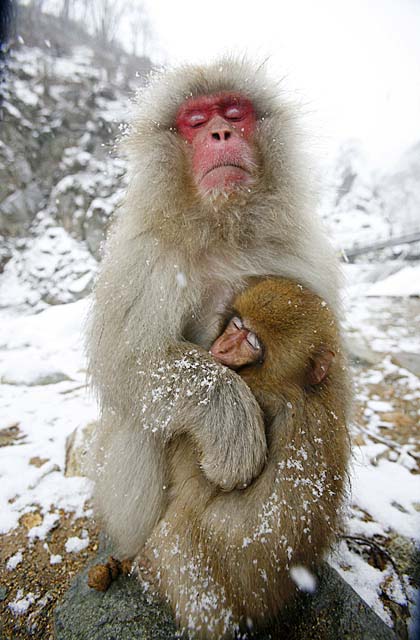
<point>232,438</point>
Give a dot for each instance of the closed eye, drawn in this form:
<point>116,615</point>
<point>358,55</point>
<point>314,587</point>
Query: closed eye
<point>253,341</point>
<point>195,120</point>
<point>237,322</point>
<point>234,113</point>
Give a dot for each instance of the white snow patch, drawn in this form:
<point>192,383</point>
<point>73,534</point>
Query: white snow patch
<point>303,578</point>
<point>25,93</point>
<point>387,491</point>
<point>380,405</point>
<point>40,532</point>
<point>14,560</point>
<point>365,579</point>
<point>24,367</point>
<point>46,415</point>
<point>21,603</point>
<point>76,544</point>
<point>55,559</point>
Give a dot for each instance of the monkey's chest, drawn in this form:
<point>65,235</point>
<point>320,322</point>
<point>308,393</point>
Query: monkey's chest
<point>206,322</point>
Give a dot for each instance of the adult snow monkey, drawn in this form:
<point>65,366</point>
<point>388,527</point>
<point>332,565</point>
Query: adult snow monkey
<point>218,192</point>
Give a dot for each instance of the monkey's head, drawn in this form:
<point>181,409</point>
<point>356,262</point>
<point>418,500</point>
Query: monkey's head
<point>279,333</point>
<point>214,148</point>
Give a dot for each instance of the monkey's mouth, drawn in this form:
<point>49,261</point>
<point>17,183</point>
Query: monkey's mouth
<point>225,176</point>
<point>225,165</point>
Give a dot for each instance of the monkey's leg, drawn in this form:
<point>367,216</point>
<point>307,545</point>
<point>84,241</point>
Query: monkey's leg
<point>130,483</point>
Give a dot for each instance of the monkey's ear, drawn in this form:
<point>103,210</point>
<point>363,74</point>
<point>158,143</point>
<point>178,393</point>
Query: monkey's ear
<point>319,365</point>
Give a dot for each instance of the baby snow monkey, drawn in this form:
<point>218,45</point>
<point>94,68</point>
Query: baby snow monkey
<point>223,559</point>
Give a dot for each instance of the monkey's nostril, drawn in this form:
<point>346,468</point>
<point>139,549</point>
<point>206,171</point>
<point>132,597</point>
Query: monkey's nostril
<point>222,135</point>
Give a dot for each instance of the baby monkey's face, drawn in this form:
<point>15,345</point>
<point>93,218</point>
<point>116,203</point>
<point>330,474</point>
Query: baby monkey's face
<point>284,355</point>
<point>237,346</point>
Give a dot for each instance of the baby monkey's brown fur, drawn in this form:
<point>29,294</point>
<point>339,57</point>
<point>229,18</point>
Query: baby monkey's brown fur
<point>223,559</point>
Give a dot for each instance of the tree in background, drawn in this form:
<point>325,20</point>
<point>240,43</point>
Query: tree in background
<point>125,22</point>
<point>141,32</point>
<point>6,16</point>
<point>106,17</point>
<point>65,9</point>
<point>35,7</point>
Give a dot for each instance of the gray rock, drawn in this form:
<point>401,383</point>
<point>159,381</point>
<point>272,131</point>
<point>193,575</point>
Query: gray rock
<point>360,352</point>
<point>124,612</point>
<point>18,209</point>
<point>95,225</point>
<point>53,377</point>
<point>23,170</point>
<point>409,361</point>
<point>34,197</point>
<point>334,612</point>
<point>94,240</point>
<point>81,287</point>
<point>5,254</point>
<point>14,211</point>
<point>65,210</point>
<point>78,446</point>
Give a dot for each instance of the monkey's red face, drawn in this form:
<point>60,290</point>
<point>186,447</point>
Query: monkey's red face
<point>219,129</point>
<point>237,346</point>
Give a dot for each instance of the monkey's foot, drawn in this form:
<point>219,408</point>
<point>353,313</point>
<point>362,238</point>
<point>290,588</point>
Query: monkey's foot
<point>100,576</point>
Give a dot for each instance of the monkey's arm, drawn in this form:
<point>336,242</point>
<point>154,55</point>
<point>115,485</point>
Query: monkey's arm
<point>186,391</point>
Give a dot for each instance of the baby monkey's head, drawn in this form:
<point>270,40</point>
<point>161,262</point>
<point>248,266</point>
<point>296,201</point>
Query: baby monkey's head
<point>281,330</point>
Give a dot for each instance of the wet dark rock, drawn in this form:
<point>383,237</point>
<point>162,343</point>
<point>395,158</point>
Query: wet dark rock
<point>334,612</point>
<point>125,612</point>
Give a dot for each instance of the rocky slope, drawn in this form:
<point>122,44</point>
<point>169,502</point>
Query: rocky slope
<point>59,180</point>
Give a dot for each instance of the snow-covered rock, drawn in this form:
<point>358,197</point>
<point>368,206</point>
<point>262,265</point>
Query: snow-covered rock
<point>22,368</point>
<point>49,268</point>
<point>405,282</point>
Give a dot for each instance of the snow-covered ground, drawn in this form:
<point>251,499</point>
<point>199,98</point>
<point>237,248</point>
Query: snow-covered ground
<point>43,400</point>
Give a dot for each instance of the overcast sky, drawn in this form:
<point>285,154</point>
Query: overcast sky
<point>355,64</point>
